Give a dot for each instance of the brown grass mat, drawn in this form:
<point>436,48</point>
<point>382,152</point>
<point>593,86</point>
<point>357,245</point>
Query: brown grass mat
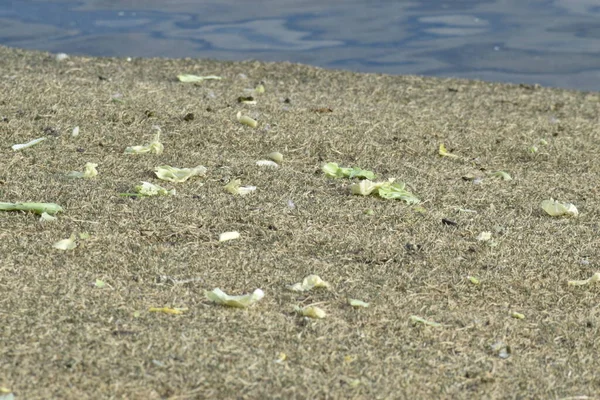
<point>64,337</point>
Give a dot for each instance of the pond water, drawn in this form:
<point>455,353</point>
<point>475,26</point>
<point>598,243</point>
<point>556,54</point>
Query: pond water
<point>550,42</point>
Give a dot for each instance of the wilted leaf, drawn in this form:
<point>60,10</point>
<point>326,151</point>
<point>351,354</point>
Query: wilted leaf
<point>445,153</point>
<point>474,280</point>
<point>172,174</point>
<point>267,163</point>
<point>89,172</point>
<point>17,147</point>
<point>188,78</point>
<point>38,208</point>
<point>335,171</point>
<point>276,156</point>
<point>592,279</point>
<point>357,303</point>
<point>219,297</point>
<point>246,120</point>
<point>168,310</point>
<point>517,315</point>
<point>66,244</point>
<point>311,312</point>
<point>557,209</point>
<point>309,283</point>
<point>155,146</point>
<point>150,189</point>
<point>415,319</point>
<point>234,187</point>
<point>225,236</point>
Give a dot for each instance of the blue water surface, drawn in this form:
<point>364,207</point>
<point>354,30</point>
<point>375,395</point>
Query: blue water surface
<point>551,42</point>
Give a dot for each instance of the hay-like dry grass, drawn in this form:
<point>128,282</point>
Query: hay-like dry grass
<point>62,337</point>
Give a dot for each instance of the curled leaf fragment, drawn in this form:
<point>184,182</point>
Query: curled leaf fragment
<point>66,244</point>
<point>17,147</point>
<point>168,310</point>
<point>189,78</point>
<point>484,236</point>
<point>517,315</point>
<point>357,303</point>
<point>225,236</point>
<point>150,189</point>
<point>38,208</point>
<point>505,176</point>
<point>267,163</point>
<point>75,132</point>
<point>311,312</point>
<point>173,174</point>
<point>234,187</point>
<point>89,172</point>
<point>591,279</point>
<point>335,171</point>
<point>259,88</point>
<point>309,283</point>
<point>445,153</point>
<point>246,120</point>
<point>474,280</point>
<point>45,217</point>
<point>220,297</point>
<point>386,190</point>
<point>155,146</point>
<point>276,156</point>
<point>418,320</point>
<point>556,208</point>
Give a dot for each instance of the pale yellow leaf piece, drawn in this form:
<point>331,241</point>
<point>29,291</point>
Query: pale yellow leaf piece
<point>246,120</point>
<point>309,283</point>
<point>225,236</point>
<point>505,176</point>
<point>99,283</point>
<point>592,279</point>
<point>259,89</point>
<point>150,189</point>
<point>188,78</point>
<point>484,236</point>
<point>168,310</point>
<point>89,172</point>
<point>445,153</point>
<point>45,217</point>
<point>276,156</point>
<point>267,163</point>
<point>357,303</point>
<point>556,208</point>
<point>173,174</point>
<point>155,147</point>
<point>234,187</point>
<point>517,315</point>
<point>17,147</point>
<point>364,187</point>
<point>281,357</point>
<point>311,312</point>
<point>219,297</point>
<point>415,319</point>
<point>66,244</point>
<point>474,280</point>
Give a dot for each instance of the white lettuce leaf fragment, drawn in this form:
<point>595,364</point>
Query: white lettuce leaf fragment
<point>234,187</point>
<point>309,283</point>
<point>66,244</point>
<point>75,132</point>
<point>154,147</point>
<point>38,208</point>
<point>267,163</point>
<point>220,297</point>
<point>484,236</point>
<point>189,78</point>
<point>358,303</point>
<point>311,312</point>
<point>88,172</point>
<point>246,120</point>
<point>17,147</point>
<point>45,217</point>
<point>556,209</point>
<point>173,174</point>
<point>150,189</point>
<point>594,278</point>
<point>225,236</point>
